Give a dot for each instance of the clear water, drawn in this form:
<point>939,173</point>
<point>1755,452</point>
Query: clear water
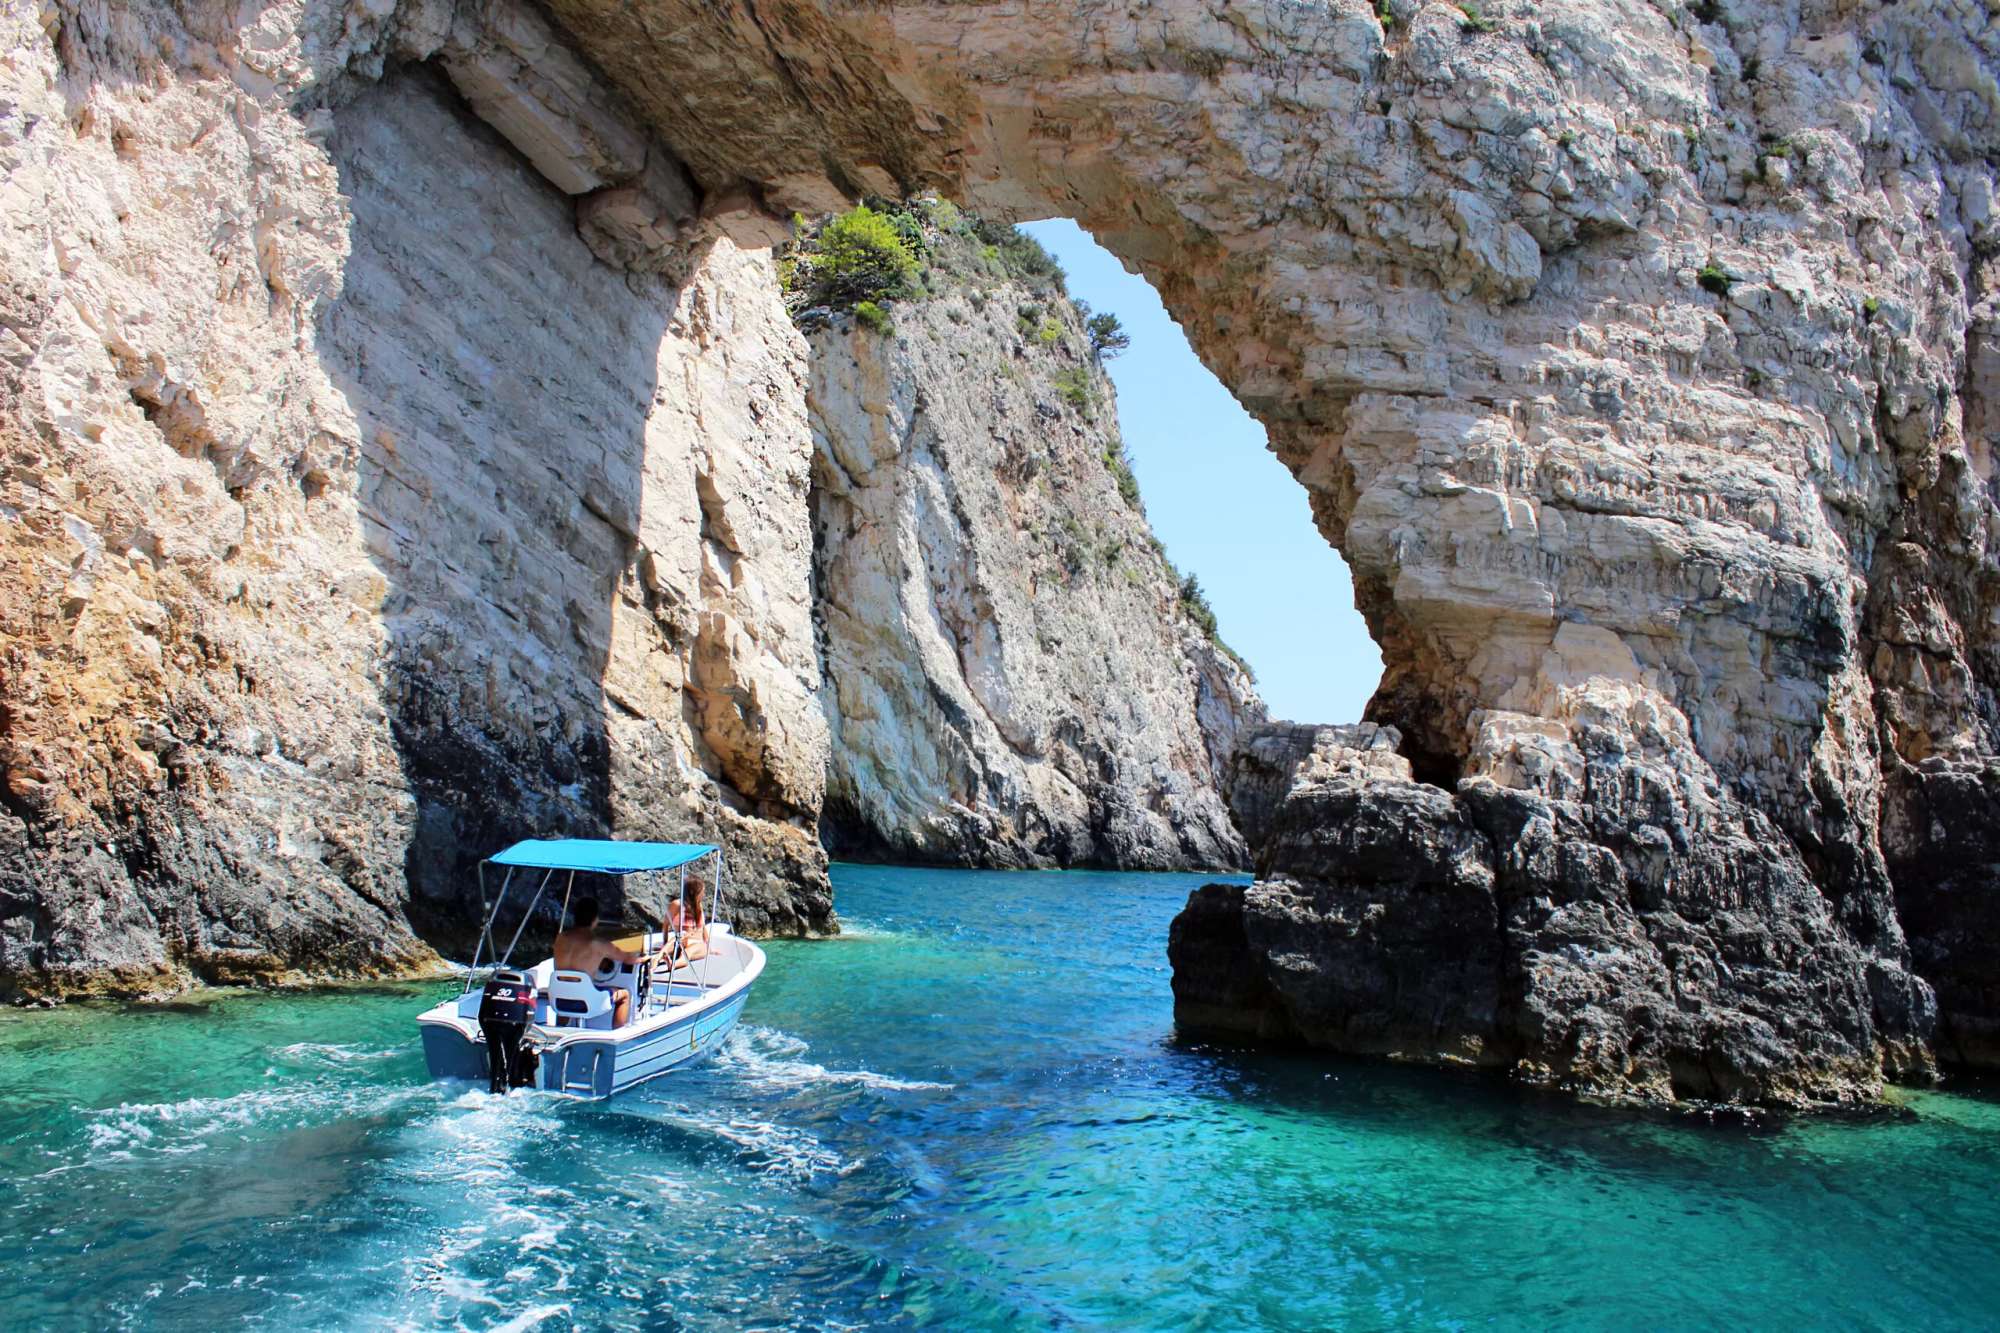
<point>967,1113</point>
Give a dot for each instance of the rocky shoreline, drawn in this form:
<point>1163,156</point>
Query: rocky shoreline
<point>1692,961</point>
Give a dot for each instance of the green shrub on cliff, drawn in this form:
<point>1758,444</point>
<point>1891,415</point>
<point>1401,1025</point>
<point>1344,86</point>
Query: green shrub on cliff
<point>871,317</point>
<point>1194,605</point>
<point>1019,254</point>
<point>1075,388</point>
<point>862,255</point>
<point>1119,464</point>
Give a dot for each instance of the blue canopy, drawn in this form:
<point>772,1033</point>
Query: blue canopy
<point>600,856</point>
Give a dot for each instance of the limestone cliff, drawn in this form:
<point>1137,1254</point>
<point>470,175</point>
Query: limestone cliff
<point>1013,678</point>
<point>1638,356</point>
<point>1632,355</point>
<point>361,516</point>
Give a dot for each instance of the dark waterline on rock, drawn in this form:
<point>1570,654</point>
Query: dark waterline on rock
<point>969,1112</point>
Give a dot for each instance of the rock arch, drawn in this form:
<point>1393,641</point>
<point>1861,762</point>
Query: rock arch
<point>1613,343</point>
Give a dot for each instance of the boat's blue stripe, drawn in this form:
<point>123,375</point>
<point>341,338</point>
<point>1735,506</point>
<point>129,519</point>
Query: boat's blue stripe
<point>628,1072</point>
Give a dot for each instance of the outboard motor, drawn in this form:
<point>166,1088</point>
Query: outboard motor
<point>506,1008</point>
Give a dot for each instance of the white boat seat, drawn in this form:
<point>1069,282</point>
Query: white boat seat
<point>577,1002</point>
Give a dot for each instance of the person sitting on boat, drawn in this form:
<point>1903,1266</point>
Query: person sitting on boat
<point>579,950</point>
<point>686,929</point>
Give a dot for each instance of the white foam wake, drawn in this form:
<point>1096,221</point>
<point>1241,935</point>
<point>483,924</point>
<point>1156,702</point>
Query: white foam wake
<point>330,1053</point>
<point>774,1059</point>
<point>779,1150</point>
<point>184,1126</point>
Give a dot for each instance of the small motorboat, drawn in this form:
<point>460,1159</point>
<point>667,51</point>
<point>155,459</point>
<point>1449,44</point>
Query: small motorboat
<point>539,1027</point>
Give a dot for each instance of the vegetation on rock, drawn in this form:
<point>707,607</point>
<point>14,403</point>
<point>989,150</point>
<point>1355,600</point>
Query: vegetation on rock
<point>1076,388</point>
<point>1472,20</point>
<point>1107,336</point>
<point>877,255</point>
<point>859,256</point>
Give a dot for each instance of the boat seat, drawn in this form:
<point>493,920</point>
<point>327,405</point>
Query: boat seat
<point>577,1002</point>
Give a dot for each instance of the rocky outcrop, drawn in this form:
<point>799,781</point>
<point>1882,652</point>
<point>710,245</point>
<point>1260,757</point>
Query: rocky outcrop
<point>1012,676</point>
<point>1615,943</point>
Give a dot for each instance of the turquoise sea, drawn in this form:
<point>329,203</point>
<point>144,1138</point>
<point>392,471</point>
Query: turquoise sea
<point>969,1112</point>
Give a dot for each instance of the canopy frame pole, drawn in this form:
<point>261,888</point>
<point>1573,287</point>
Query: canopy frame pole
<point>486,922</point>
<point>567,889</point>
<point>526,917</point>
<point>651,963</point>
<point>680,940</point>
<point>715,910</point>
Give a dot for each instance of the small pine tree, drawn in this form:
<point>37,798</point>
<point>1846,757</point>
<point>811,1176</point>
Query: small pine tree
<point>1107,337</point>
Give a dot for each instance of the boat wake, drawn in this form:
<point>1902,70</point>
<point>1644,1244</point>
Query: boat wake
<point>779,1150</point>
<point>773,1059</point>
<point>329,1053</point>
<point>168,1128</point>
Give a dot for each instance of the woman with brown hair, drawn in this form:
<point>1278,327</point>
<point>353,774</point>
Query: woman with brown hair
<point>686,929</point>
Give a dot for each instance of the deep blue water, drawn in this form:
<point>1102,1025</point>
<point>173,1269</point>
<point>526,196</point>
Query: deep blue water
<point>969,1112</point>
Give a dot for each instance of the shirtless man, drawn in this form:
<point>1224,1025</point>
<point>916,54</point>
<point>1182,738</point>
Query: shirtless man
<point>579,950</point>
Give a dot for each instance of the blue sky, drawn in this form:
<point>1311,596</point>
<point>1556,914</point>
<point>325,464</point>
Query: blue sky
<point>1225,507</point>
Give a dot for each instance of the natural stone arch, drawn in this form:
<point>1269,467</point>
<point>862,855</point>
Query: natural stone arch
<point>1524,307</point>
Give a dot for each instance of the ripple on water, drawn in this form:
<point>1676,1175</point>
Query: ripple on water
<point>116,1133</point>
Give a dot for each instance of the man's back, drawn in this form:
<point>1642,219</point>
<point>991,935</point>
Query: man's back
<point>579,950</point>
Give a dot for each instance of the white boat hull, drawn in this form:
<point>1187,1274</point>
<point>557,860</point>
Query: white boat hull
<point>599,1062</point>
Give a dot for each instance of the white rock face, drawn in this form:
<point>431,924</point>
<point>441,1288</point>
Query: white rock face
<point>365,519</point>
<point>1011,678</point>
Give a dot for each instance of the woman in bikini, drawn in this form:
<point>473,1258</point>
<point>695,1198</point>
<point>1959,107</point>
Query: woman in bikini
<point>687,930</point>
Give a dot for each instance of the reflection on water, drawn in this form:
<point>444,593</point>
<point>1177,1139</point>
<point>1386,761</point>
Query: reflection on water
<point>971,1113</point>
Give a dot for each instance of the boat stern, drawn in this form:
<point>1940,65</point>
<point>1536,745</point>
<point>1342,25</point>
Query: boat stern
<point>452,1049</point>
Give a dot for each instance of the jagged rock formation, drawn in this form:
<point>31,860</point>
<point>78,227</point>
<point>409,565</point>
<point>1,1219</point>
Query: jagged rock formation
<point>1596,944</point>
<point>1012,678</point>
<point>1636,356</point>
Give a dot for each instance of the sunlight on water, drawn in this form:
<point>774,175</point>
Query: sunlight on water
<point>967,1113</point>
